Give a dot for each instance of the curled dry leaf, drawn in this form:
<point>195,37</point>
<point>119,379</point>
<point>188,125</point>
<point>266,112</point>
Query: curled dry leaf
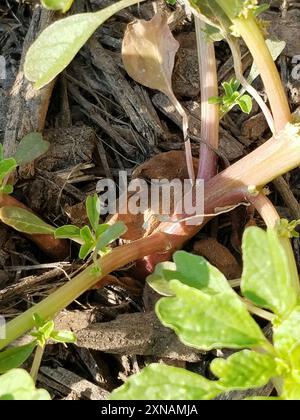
<point>148,54</point>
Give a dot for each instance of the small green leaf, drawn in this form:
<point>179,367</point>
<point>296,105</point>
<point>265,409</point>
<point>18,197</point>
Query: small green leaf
<point>58,44</point>
<point>291,389</point>
<point>63,336</point>
<point>191,270</point>
<point>207,321</point>
<point>287,335</point>
<point>47,329</point>
<point>245,103</point>
<point>30,148</point>
<point>15,357</point>
<point>267,279</point>
<point>101,229</point>
<point>67,232</point>
<point>112,233</point>
<point>244,370</point>
<point>160,278</point>
<point>93,210</point>
<point>62,5</point>
<point>88,242</point>
<point>24,221</point>
<point>6,189</point>
<point>38,320</point>
<point>86,234</point>
<point>228,89</point>
<point>287,229</point>
<point>215,100</point>
<point>162,382</point>
<point>17,384</point>
<point>6,167</point>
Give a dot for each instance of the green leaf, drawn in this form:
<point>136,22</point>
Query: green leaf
<point>93,210</point>
<point>245,103</point>
<point>160,278</point>
<point>17,384</point>
<point>38,320</point>
<point>244,370</point>
<point>62,5</point>
<point>191,270</point>
<point>67,232</point>
<point>291,389</point>
<point>24,221</point>
<point>63,336</point>
<point>86,234</point>
<point>215,100</point>
<point>112,233</point>
<point>227,86</point>
<point>58,44</point>
<point>47,329</point>
<point>6,167</point>
<point>30,148</point>
<point>267,279</point>
<point>287,335</point>
<point>162,382</point>
<point>88,242</point>
<point>6,189</point>
<point>15,357</point>
<point>101,229</point>
<point>208,321</point>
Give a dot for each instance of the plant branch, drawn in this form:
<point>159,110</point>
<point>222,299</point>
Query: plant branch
<point>209,112</point>
<point>39,352</point>
<point>270,160</point>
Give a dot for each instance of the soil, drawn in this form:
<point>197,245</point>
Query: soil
<point>98,122</point>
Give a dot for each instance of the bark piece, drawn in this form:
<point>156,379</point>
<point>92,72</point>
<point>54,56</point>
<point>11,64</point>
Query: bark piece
<point>28,107</point>
<point>66,381</point>
<point>138,333</point>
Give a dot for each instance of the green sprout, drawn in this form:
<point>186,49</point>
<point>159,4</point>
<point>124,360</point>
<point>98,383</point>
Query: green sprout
<point>232,97</point>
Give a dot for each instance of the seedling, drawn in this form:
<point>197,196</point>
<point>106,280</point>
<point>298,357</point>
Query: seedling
<point>232,97</point>
<point>207,314</point>
<point>44,331</point>
<point>94,239</point>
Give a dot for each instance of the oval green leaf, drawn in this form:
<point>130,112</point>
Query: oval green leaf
<point>162,382</point>
<point>58,44</point>
<point>17,384</point>
<point>24,221</point>
<point>208,322</point>
<point>15,357</point>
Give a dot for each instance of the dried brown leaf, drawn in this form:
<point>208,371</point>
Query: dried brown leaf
<point>148,53</point>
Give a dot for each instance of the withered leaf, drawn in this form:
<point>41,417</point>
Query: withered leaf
<point>148,53</point>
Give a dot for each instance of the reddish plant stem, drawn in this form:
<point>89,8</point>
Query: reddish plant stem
<point>209,112</point>
<point>57,249</point>
<point>276,156</point>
